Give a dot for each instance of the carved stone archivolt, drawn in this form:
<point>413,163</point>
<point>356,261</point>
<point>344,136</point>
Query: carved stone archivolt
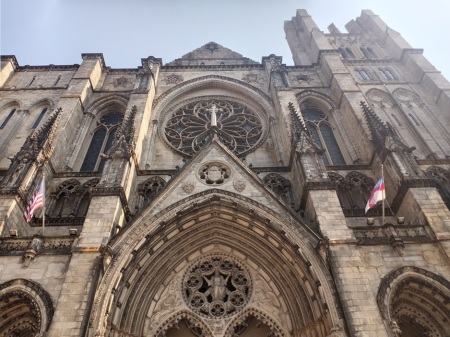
<point>412,299</point>
<point>216,287</point>
<point>26,308</point>
<point>151,288</point>
<point>215,173</point>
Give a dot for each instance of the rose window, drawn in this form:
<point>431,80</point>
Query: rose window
<point>216,287</point>
<point>193,125</point>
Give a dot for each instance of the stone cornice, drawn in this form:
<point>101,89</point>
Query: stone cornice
<point>48,67</point>
<point>213,67</point>
<point>51,245</point>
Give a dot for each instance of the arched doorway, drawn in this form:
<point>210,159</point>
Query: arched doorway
<point>26,309</point>
<point>415,302</point>
<point>228,261</point>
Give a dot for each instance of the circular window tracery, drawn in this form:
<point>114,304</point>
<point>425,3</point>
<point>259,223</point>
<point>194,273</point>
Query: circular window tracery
<point>191,126</point>
<point>216,287</point>
<point>214,173</point>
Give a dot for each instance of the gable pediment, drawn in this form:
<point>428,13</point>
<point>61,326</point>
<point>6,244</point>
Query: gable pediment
<point>211,53</point>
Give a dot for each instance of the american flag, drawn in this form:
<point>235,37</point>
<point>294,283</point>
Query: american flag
<point>36,202</point>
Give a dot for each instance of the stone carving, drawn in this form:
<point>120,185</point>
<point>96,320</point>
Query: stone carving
<point>167,304</point>
<point>107,255</point>
<point>264,297</point>
<point>173,79</point>
<point>386,137</point>
<point>188,186</point>
<point>304,78</point>
<point>121,82</point>
<point>37,148</point>
<point>216,287</point>
<point>239,185</point>
<point>189,128</point>
<point>32,251</point>
<point>395,328</point>
<point>250,78</point>
<point>215,173</point>
<point>336,331</point>
<point>212,46</point>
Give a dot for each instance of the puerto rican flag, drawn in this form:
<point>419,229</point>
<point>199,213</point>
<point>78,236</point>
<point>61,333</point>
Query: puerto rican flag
<point>378,194</point>
<point>36,202</point>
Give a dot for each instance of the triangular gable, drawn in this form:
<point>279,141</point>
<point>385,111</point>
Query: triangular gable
<point>216,167</point>
<point>211,53</point>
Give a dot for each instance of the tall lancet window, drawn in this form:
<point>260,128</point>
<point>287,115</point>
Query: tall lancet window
<point>102,139</point>
<point>323,135</point>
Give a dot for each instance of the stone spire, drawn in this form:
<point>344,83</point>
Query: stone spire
<point>388,141</point>
<point>37,148</point>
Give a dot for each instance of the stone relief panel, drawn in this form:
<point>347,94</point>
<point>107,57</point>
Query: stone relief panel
<point>172,79</point>
<point>305,79</point>
<point>215,173</point>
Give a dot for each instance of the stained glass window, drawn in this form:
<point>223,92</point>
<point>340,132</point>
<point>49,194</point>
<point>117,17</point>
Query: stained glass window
<point>102,139</point>
<point>322,134</point>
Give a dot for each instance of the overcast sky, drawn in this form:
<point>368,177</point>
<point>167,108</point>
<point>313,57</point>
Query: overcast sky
<point>42,32</point>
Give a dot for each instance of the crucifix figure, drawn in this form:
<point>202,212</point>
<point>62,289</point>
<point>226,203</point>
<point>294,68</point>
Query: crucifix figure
<point>213,110</point>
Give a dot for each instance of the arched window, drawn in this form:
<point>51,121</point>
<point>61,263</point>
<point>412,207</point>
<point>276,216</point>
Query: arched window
<point>368,52</point>
<point>387,74</point>
<point>150,189</point>
<point>38,120</point>
<point>346,53</point>
<point>102,139</point>
<point>5,121</point>
<point>363,74</point>
<point>72,199</point>
<point>322,133</point>
<point>396,119</point>
<point>281,186</point>
<point>414,119</point>
<point>57,80</point>
<point>353,190</point>
<point>32,80</point>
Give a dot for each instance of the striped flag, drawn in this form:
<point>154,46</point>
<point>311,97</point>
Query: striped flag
<point>36,202</point>
<point>378,194</point>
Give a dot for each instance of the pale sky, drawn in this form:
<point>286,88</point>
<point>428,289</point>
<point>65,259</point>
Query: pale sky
<point>42,32</point>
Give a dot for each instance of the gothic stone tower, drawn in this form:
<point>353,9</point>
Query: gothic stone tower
<point>218,196</point>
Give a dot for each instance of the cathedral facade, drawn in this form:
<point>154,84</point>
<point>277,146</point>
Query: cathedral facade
<point>219,196</point>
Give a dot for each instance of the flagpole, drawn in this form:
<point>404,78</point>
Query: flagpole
<point>383,196</point>
<point>43,203</point>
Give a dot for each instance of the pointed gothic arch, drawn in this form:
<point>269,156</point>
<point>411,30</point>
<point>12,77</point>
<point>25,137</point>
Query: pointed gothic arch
<point>26,308</point>
<point>151,258</point>
<point>413,300</point>
<point>318,112</point>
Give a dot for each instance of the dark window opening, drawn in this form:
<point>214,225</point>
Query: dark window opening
<point>7,118</point>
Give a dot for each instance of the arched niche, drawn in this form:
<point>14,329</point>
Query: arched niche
<point>143,286</point>
<point>26,309</point>
<point>415,302</point>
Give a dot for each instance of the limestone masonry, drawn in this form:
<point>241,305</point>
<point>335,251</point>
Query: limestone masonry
<point>216,196</point>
